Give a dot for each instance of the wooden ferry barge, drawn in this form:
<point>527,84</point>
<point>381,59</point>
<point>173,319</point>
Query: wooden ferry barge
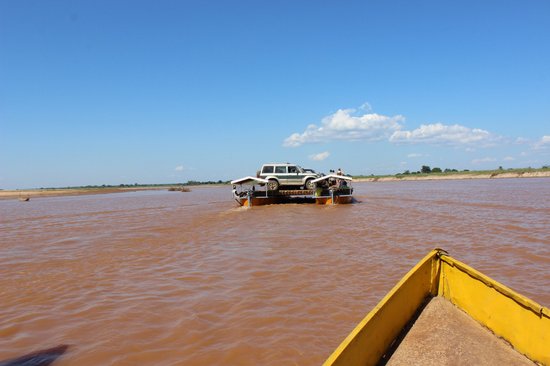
<point>329,190</point>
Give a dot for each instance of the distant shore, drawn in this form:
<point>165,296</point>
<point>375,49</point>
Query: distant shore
<point>457,176</point>
<point>55,192</point>
<point>23,194</point>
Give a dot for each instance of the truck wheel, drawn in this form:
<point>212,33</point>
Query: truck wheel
<point>272,185</point>
<point>309,184</point>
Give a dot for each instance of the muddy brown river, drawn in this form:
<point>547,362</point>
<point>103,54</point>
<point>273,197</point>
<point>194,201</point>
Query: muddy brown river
<point>172,278</point>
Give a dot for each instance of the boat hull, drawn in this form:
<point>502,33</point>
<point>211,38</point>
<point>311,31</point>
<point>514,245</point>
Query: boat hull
<point>297,196</point>
<point>524,324</point>
<point>336,200</point>
<point>258,201</point>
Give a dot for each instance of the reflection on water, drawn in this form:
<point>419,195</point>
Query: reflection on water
<point>190,278</point>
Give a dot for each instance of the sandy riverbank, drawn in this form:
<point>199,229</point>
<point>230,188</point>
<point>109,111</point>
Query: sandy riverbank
<point>54,192</point>
<point>456,176</point>
<point>36,193</point>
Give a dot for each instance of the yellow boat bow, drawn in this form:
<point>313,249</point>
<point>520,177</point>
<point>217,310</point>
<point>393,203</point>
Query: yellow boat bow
<point>521,322</point>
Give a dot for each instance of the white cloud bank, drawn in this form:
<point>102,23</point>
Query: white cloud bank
<point>439,133</point>
<point>179,168</point>
<point>342,125</point>
<point>320,157</point>
<point>543,143</point>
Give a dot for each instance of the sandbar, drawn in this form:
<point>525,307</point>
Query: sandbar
<point>55,192</point>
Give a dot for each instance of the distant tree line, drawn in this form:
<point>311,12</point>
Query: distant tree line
<point>138,185</point>
<point>198,183</point>
<point>427,170</point>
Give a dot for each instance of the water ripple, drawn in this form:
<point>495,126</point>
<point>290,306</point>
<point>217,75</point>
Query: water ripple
<point>170,278</point>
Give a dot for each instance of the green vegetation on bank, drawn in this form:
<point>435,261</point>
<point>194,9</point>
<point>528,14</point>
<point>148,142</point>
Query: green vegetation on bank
<point>137,185</point>
<point>426,171</point>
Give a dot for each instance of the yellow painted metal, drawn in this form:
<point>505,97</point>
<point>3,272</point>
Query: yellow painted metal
<point>259,201</point>
<point>519,320</point>
<point>337,200</point>
<point>368,342</point>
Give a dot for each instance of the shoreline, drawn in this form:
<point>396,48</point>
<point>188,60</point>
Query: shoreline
<point>21,194</point>
<point>456,176</point>
<point>58,192</point>
<point>14,194</point>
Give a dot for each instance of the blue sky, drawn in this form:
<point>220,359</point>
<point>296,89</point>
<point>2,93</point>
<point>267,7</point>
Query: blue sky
<point>111,92</point>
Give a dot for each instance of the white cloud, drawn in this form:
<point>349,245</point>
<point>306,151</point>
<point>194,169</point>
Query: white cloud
<point>343,125</point>
<point>366,107</point>
<point>179,168</point>
<point>439,133</point>
<point>320,156</point>
<point>414,155</point>
<point>543,143</point>
<point>509,158</point>
<point>483,160</point>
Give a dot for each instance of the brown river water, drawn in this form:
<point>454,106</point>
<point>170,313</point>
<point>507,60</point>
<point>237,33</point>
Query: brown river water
<point>171,278</point>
